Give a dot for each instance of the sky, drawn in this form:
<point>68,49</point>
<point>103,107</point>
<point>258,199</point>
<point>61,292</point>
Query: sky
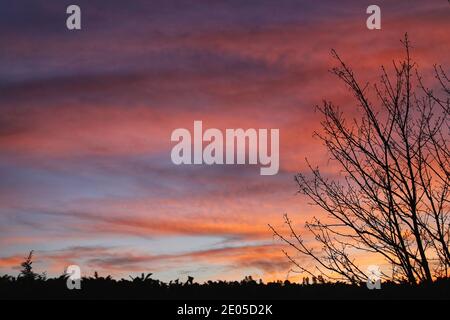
<point>86,117</point>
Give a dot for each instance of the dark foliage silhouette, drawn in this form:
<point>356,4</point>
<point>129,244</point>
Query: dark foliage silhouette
<point>27,268</point>
<point>27,273</point>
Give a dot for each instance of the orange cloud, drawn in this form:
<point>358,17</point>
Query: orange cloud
<point>11,261</point>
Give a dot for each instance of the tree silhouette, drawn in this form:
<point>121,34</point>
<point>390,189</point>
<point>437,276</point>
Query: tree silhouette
<point>27,268</point>
<point>391,196</point>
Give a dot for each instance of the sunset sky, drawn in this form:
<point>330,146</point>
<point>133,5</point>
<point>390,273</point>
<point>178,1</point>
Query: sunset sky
<point>86,117</point>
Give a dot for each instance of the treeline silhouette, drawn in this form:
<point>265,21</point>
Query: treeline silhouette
<point>31,285</point>
<point>98,287</point>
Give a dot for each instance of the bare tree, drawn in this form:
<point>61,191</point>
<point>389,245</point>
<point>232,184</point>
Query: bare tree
<point>391,197</point>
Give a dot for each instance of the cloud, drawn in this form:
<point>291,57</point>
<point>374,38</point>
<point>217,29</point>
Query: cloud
<point>11,261</point>
<point>263,259</point>
<point>86,119</point>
